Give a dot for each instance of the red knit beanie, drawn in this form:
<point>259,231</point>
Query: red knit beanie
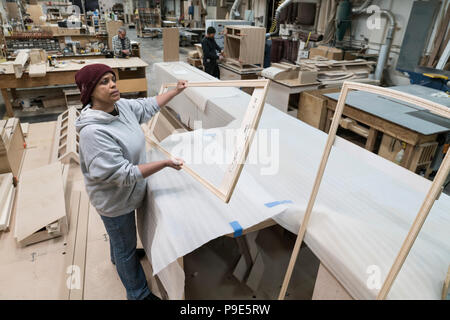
<point>88,77</point>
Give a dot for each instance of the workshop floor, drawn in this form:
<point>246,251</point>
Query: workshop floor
<point>209,269</point>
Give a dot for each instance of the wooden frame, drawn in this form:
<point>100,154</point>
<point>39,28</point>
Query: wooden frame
<point>249,125</point>
<point>432,195</point>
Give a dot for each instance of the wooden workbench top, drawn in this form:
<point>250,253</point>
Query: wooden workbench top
<point>114,63</point>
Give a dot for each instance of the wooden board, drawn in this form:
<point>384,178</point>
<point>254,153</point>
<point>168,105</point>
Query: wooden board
<point>76,290</point>
<point>25,127</point>
<point>37,70</point>
<point>248,128</point>
<point>19,63</point>
<point>171,44</point>
<point>432,195</point>
<point>37,207</point>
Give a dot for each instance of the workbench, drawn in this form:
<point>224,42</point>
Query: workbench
<point>130,77</point>
<point>371,116</point>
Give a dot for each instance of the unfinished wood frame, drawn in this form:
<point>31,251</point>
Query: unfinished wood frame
<point>432,195</point>
<point>248,126</point>
<point>65,143</point>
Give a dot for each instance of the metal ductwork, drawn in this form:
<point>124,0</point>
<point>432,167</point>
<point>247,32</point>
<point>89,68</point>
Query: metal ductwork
<point>386,47</point>
<point>235,9</point>
<point>277,17</point>
<point>361,8</point>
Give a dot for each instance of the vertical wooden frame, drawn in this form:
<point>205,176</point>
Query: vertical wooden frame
<point>249,125</point>
<point>432,195</point>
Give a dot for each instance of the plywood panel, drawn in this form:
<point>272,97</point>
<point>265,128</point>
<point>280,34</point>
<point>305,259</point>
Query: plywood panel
<point>171,44</point>
<point>38,207</point>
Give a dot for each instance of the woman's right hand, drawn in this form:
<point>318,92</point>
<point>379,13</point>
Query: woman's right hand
<point>175,163</point>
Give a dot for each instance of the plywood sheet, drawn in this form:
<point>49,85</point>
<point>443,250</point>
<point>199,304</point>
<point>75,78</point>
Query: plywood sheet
<point>38,207</point>
<point>171,44</point>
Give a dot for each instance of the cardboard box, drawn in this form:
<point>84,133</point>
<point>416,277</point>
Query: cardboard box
<point>327,52</point>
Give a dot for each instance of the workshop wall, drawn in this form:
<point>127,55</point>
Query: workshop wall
<point>401,10</point>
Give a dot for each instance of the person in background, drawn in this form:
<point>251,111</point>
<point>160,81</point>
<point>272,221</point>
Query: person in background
<point>121,44</point>
<point>210,56</point>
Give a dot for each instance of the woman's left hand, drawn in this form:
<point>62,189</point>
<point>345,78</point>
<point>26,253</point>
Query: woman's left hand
<point>181,85</point>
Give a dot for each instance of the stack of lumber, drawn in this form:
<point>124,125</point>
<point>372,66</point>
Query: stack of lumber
<point>7,193</point>
<point>12,146</point>
<point>331,71</point>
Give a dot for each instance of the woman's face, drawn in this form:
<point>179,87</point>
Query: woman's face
<point>106,91</point>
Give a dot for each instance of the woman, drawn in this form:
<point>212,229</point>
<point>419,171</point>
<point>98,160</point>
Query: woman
<point>114,165</point>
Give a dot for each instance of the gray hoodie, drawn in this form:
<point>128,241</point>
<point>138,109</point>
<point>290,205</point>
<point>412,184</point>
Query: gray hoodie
<point>111,147</point>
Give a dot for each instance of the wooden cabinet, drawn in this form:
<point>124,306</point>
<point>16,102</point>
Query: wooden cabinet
<point>245,45</point>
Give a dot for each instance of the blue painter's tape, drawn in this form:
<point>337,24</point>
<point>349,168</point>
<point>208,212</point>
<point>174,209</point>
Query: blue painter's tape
<point>237,228</point>
<point>209,134</point>
<point>276,203</point>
